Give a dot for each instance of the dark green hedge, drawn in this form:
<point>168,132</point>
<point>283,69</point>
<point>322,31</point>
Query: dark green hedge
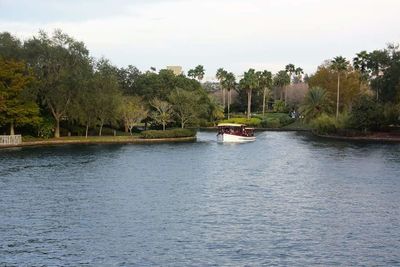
<point>173,133</point>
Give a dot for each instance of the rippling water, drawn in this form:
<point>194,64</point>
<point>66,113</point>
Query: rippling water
<point>285,200</point>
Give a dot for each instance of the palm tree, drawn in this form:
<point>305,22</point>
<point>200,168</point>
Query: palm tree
<point>221,73</point>
<point>360,63</point>
<point>298,72</point>
<point>229,83</point>
<point>265,83</point>
<point>197,73</point>
<point>338,64</point>
<point>315,103</point>
<point>281,80</point>
<point>248,83</point>
<point>290,69</point>
<point>199,70</point>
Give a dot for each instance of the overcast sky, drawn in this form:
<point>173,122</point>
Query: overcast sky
<point>236,35</point>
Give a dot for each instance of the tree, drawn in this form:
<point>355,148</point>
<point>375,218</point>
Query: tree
<point>350,88</point>
<point>298,72</point>
<point>185,105</point>
<point>221,74</point>
<point>248,83</point>
<point>360,63</point>
<point>229,83</point>
<point>133,111</point>
<point>61,65</point>
<point>338,64</point>
<point>215,111</point>
<point>281,80</point>
<point>265,83</point>
<point>367,114</point>
<point>108,94</point>
<point>10,47</point>
<point>83,107</point>
<point>315,103</point>
<point>197,73</point>
<point>162,113</point>
<point>17,105</point>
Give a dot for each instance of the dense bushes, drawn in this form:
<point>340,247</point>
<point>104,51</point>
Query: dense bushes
<point>173,133</point>
<point>366,114</point>
<point>269,120</point>
<point>254,122</point>
<point>276,120</point>
<point>324,124</point>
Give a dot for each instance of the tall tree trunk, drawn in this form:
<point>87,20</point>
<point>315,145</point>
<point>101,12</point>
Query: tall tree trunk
<point>229,104</point>
<point>223,98</point>
<point>285,94</point>
<point>264,93</point>
<point>57,131</point>
<point>337,95</point>
<point>249,103</point>
<point>101,128</point>
<point>87,129</point>
<point>12,128</point>
<point>126,127</point>
<point>163,126</point>
<point>182,124</point>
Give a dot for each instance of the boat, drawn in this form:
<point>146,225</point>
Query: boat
<point>235,133</point>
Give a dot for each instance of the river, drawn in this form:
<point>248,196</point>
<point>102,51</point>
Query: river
<point>288,199</point>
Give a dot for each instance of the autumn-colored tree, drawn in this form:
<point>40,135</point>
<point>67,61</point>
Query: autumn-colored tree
<point>17,102</point>
<point>326,78</point>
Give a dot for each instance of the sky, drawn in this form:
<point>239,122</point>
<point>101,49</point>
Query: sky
<point>236,35</point>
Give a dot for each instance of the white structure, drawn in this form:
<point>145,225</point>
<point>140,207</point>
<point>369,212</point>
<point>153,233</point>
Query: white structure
<point>6,140</point>
<point>234,133</point>
<point>177,70</point>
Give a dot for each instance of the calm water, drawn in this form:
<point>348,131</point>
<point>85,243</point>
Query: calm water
<point>285,200</point>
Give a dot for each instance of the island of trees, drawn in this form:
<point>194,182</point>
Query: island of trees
<point>50,86</point>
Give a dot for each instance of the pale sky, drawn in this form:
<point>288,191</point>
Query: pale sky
<point>236,35</point>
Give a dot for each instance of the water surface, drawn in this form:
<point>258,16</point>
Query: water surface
<point>285,200</point>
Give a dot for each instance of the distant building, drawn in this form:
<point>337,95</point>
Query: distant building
<point>177,70</point>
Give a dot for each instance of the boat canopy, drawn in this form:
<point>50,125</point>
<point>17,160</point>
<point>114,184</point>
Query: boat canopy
<point>231,125</point>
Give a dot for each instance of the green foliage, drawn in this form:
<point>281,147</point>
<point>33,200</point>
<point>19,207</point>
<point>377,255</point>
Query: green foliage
<point>279,106</point>
<point>187,106</point>
<point>324,124</point>
<point>315,103</point>
<point>46,128</point>
<point>172,133</point>
<point>133,111</point>
<point>254,122</point>
<point>275,120</point>
<point>197,72</point>
<point>271,123</point>
<point>366,114</point>
<point>17,105</point>
<point>162,113</point>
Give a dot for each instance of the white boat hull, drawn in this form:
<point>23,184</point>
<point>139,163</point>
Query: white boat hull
<point>230,138</point>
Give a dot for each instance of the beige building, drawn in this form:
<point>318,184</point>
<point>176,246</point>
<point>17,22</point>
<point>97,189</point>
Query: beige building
<point>177,70</point>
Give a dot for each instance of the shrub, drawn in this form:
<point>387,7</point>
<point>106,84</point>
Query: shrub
<point>324,124</point>
<point>275,120</point>
<point>271,123</point>
<point>366,114</point>
<point>279,106</point>
<point>254,122</point>
<point>172,133</point>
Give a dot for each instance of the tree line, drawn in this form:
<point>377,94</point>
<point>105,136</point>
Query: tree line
<point>362,93</point>
<point>49,80</point>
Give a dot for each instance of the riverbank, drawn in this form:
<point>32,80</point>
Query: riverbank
<point>100,140</point>
<point>373,137</point>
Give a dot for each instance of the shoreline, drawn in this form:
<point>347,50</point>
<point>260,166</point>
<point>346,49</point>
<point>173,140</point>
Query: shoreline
<point>102,140</point>
<point>370,138</point>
